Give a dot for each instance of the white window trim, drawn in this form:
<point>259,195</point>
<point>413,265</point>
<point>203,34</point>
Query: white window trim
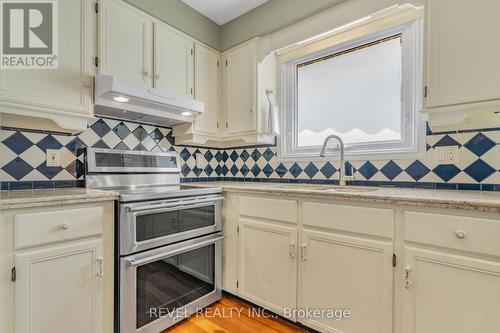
<point>413,142</point>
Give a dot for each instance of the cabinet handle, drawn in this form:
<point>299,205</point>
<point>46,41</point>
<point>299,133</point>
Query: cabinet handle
<point>460,234</point>
<point>291,250</point>
<point>303,252</point>
<point>157,77</point>
<point>146,73</point>
<point>100,267</point>
<point>64,226</point>
<point>408,283</point>
<point>251,110</point>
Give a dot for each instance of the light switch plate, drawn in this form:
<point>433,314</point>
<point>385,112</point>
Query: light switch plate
<point>447,155</point>
<point>53,158</point>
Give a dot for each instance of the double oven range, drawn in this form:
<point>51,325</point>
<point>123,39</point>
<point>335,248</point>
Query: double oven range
<point>168,241</point>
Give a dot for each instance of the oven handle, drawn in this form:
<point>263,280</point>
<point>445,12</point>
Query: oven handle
<point>174,204</point>
<point>139,262</point>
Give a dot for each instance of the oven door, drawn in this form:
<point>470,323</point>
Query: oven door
<point>146,225</point>
<point>165,285</point>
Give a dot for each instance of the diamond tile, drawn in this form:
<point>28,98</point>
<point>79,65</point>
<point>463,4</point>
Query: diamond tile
<point>256,170</point>
<point>480,144</point>
<point>218,170</point>
<point>140,133</point>
<point>268,170</point>
<point>49,172</point>
<point>244,170</point>
<point>311,170</point>
<point>76,169</point>
<point>391,170</point>
<point>76,146</point>
<point>218,156</point>
<point>256,155</point>
<point>446,171</point>
<point>49,142</point>
<point>479,170</point>
<point>101,144</point>
<point>100,128</point>
<point>34,156</point>
<point>368,170</point>
<point>417,170</point>
<point>268,154</point>
<point>447,141</point>
<point>17,168</point>
<point>328,170</point>
<point>225,156</point>
<point>156,135</point>
<point>209,170</point>
<point>123,131</point>
<point>225,170</point>
<point>295,170</point>
<point>244,155</point>
<point>185,154</point>
<point>18,143</point>
<point>234,156</point>
<point>208,156</point>
<point>197,171</point>
<point>234,170</point>
<point>111,139</point>
<point>185,170</point>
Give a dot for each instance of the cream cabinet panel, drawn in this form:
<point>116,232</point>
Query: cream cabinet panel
<point>462,55</point>
<point>207,89</point>
<point>173,60</point>
<point>230,243</point>
<point>450,293</point>
<point>240,89</point>
<point>343,272</point>
<point>125,42</point>
<point>60,289</point>
<point>267,264</point>
<point>63,95</point>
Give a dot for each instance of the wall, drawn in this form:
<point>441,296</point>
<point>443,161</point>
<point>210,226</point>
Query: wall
<point>23,164</point>
<point>270,17</point>
<point>182,17</point>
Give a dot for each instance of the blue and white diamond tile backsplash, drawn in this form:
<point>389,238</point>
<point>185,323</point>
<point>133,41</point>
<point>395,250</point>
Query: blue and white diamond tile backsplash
<point>23,159</point>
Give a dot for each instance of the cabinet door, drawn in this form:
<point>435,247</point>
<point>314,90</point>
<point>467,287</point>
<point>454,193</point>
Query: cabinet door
<point>64,92</point>
<point>450,293</point>
<point>268,267</point>
<point>462,59</point>
<point>207,89</point>
<point>346,273</point>
<point>125,42</point>
<point>173,61</point>
<point>59,289</point>
<point>240,89</point>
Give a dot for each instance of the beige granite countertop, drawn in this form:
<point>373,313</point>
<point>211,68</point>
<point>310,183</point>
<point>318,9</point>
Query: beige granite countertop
<point>468,200</point>
<point>48,197</point>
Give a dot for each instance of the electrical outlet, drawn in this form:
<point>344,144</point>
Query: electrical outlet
<point>53,158</point>
<point>447,155</point>
<point>200,161</point>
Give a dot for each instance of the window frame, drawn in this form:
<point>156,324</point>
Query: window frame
<point>412,144</point>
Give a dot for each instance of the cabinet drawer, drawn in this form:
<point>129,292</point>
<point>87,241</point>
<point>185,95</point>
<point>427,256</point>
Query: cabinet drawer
<point>363,220</point>
<point>471,234</point>
<point>270,209</point>
<point>57,226</point>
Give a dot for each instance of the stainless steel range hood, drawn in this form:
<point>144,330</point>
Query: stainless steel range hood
<point>121,99</point>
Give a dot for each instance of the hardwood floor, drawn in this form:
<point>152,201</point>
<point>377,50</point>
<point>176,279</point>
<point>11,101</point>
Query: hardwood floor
<point>231,316</point>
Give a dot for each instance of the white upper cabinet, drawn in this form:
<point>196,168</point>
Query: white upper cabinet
<point>173,60</point>
<point>207,89</point>
<point>462,68</point>
<point>240,89</point>
<point>125,42</point>
<point>63,95</point>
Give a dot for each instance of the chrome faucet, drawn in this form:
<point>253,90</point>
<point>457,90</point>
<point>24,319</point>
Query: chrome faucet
<point>342,177</point>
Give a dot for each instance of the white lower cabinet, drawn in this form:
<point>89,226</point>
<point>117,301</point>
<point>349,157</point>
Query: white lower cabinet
<point>60,289</point>
<point>339,272</point>
<point>267,264</point>
<point>450,293</point>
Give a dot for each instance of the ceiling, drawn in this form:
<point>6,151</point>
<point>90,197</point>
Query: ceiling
<point>223,11</point>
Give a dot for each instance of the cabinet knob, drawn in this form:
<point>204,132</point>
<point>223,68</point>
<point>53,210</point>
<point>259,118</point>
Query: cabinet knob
<point>157,77</point>
<point>146,73</point>
<point>64,226</point>
<point>460,234</point>
<point>251,110</point>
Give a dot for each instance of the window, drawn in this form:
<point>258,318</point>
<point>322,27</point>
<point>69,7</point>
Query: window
<point>367,92</point>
